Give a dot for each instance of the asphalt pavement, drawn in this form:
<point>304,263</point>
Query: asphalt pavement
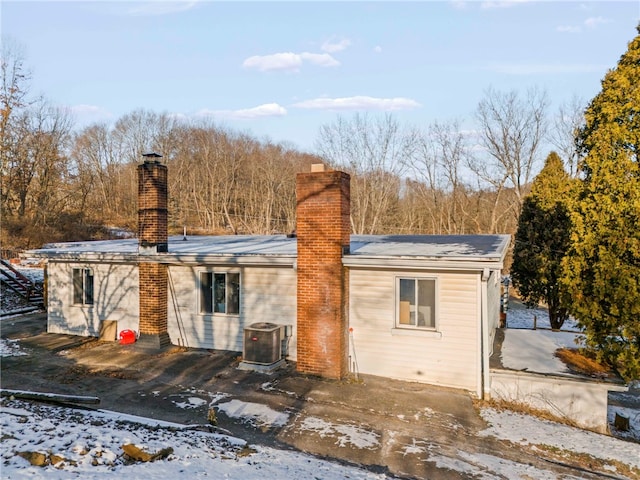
<point>370,421</point>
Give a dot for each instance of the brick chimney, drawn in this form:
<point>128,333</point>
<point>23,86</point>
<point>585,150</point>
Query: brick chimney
<point>323,230</point>
<point>152,239</point>
<point>152,205</point>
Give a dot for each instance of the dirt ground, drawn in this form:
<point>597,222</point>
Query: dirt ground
<point>158,385</point>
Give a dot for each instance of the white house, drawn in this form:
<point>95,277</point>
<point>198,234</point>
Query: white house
<point>413,307</point>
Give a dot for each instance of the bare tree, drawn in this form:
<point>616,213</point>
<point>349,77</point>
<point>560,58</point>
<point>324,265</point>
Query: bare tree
<point>569,119</point>
<point>437,166</point>
<point>512,128</point>
<point>374,152</point>
<point>14,87</point>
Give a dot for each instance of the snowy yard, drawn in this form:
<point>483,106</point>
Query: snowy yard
<point>75,443</point>
<point>11,302</point>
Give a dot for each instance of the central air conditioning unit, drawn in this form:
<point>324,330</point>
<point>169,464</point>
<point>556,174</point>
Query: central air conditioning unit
<point>262,343</point>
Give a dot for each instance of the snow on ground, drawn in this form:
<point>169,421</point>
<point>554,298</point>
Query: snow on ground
<point>10,348</point>
<point>255,414</point>
<point>519,316</point>
<point>534,350</point>
<point>90,444</point>
<point>347,435</point>
<point>634,421</point>
<point>528,430</point>
<point>11,301</point>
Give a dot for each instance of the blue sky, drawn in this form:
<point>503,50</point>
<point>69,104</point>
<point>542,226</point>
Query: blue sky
<point>280,70</point>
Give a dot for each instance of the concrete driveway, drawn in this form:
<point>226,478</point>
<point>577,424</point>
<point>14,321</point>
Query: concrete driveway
<point>407,430</point>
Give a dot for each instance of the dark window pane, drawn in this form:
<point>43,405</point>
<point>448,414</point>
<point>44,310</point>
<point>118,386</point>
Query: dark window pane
<point>219,292</point>
<point>88,286</point>
<point>233,293</point>
<point>206,290</point>
<point>407,301</point>
<point>77,286</point>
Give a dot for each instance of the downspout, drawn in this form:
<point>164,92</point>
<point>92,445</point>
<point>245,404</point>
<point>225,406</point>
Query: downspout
<point>484,333</point>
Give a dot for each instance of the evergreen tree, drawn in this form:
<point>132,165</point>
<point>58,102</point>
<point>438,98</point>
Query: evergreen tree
<point>602,269</point>
<point>542,240</point>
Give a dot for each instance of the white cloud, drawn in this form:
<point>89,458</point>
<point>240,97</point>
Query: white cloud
<point>320,59</point>
<point>377,49</point>
<point>544,69</point>
<point>593,22</point>
<point>261,111</point>
<point>459,4</point>
<point>332,47</point>
<point>358,103</point>
<point>288,61</point>
<point>160,7</point>
<point>277,61</point>
<point>568,29</point>
<point>502,4</point>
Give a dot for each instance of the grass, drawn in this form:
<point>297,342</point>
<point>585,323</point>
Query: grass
<point>586,462</point>
<point>578,362</point>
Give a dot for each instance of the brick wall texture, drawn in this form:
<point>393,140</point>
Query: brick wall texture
<point>153,298</point>
<point>323,230</point>
<point>152,205</point>
<point>152,232</point>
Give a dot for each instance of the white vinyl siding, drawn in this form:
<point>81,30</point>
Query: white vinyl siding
<point>267,294</point>
<point>115,297</point>
<point>447,357</point>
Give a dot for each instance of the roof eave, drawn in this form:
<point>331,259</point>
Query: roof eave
<point>438,263</point>
<point>168,258</point>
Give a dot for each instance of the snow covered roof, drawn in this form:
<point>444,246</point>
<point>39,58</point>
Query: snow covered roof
<point>282,250</point>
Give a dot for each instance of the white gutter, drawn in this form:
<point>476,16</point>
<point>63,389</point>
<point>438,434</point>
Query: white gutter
<point>442,263</point>
<point>178,259</point>
<point>484,334</point>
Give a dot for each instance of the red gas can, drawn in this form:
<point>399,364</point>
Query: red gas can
<point>127,336</point>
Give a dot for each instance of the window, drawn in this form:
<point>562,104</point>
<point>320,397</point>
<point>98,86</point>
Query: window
<point>416,303</point>
<point>82,286</point>
<point>220,293</point>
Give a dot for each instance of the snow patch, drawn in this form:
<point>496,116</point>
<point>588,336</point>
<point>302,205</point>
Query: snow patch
<point>255,414</point>
<point>91,444</point>
<point>192,402</point>
<point>534,350</point>
<point>528,430</point>
<point>10,348</point>
<point>346,435</point>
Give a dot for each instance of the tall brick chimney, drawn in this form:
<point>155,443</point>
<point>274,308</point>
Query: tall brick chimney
<point>323,230</point>
<point>152,239</point>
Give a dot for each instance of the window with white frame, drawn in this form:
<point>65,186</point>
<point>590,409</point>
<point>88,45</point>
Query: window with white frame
<point>82,286</point>
<point>220,292</point>
<point>416,303</point>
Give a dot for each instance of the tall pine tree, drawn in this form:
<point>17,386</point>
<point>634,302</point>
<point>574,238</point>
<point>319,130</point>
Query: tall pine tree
<point>602,269</point>
<point>542,240</point>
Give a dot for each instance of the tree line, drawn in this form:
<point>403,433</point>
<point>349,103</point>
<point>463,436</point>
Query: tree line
<point>63,183</point>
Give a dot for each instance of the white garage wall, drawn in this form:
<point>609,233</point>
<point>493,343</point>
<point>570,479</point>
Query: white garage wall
<point>115,298</point>
<point>447,357</point>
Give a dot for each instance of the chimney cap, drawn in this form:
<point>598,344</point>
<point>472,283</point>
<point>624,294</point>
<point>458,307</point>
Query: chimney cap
<point>151,157</point>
